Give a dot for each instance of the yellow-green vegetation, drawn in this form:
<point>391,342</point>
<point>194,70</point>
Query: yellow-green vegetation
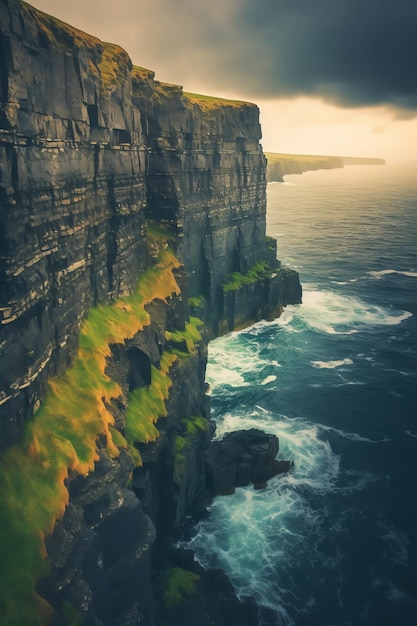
<point>190,335</point>
<point>316,159</point>
<point>191,426</point>
<point>62,437</point>
<point>207,103</point>
<point>196,301</point>
<point>70,615</point>
<point>237,280</point>
<point>58,33</point>
<point>142,73</point>
<point>159,234</point>
<point>179,584</point>
<point>115,64</point>
<point>146,406</point>
<point>271,243</point>
<point>180,445</point>
<point>276,157</point>
<point>141,77</point>
<point>165,90</point>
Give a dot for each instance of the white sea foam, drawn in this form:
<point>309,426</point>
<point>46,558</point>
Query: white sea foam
<point>239,533</point>
<point>268,379</point>
<point>230,359</point>
<point>377,438</point>
<point>382,273</point>
<point>334,313</point>
<point>331,364</point>
<point>236,359</point>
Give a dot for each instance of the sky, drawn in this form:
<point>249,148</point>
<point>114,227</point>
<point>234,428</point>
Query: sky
<point>335,77</point>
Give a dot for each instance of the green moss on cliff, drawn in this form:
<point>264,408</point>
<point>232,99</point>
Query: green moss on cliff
<point>62,436</point>
<point>147,405</point>
<point>191,427</point>
<point>114,66</point>
<point>57,33</point>
<point>180,445</point>
<point>257,272</point>
<point>162,91</point>
<point>179,585</point>
<point>196,301</point>
<point>142,73</point>
<point>189,336</point>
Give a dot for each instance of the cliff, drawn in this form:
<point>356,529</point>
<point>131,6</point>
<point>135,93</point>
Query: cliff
<point>127,209</point>
<point>280,165</point>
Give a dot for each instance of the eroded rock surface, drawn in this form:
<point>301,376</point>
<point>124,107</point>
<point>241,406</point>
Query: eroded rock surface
<point>93,151</point>
<point>241,458</point>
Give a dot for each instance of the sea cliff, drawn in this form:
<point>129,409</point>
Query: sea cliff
<point>280,165</point>
<point>132,226</point>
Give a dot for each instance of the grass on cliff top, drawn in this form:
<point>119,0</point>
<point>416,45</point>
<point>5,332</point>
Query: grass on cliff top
<point>257,272</point>
<point>115,63</point>
<point>276,157</point>
<point>58,33</point>
<point>62,436</point>
<point>114,66</point>
<point>212,102</point>
<point>141,76</point>
<point>162,91</point>
<point>142,73</point>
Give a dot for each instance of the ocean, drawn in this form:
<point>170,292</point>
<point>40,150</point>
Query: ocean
<point>334,542</point>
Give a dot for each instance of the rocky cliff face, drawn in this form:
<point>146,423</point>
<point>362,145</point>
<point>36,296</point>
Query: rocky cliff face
<point>126,205</point>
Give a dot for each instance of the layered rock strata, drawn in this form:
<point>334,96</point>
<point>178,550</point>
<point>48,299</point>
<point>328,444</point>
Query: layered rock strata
<point>104,420</point>
<point>85,162</point>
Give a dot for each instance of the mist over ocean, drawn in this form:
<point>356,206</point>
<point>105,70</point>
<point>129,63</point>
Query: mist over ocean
<point>334,542</point>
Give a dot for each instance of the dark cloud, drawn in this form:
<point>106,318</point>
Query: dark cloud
<point>350,52</point>
<point>354,52</point>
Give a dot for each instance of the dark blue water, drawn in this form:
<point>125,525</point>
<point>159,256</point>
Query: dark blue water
<point>335,541</point>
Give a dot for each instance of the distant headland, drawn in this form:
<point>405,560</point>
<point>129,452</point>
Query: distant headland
<point>280,165</point>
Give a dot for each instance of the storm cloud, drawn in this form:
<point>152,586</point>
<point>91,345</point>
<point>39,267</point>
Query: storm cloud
<point>349,52</point>
<point>354,52</point>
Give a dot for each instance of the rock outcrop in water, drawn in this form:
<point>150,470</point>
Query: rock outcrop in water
<point>127,207</point>
<point>241,458</point>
